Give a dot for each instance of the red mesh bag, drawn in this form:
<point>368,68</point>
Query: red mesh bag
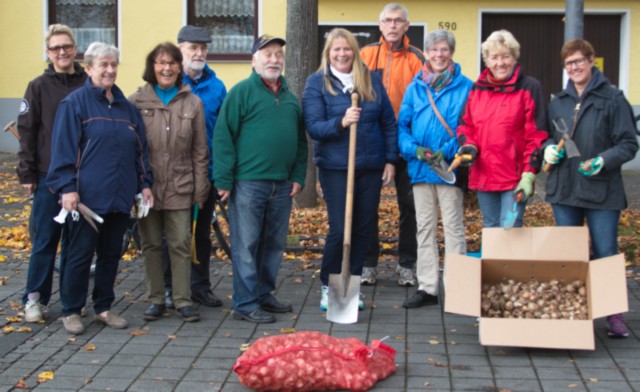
<point>313,361</point>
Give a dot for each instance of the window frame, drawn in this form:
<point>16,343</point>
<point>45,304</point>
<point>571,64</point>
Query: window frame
<point>50,7</point>
<point>240,57</point>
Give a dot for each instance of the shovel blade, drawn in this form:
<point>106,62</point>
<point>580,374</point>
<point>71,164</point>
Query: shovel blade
<point>344,294</point>
<point>442,170</point>
<point>571,148</point>
<point>510,218</point>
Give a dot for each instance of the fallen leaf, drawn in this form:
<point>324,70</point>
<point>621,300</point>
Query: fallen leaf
<point>3,258</point>
<point>24,329</point>
<point>244,347</point>
<point>8,329</point>
<point>287,330</point>
<point>90,347</point>
<point>572,385</point>
<point>593,379</point>
<point>139,332</point>
<point>71,340</point>
<point>22,385</point>
<point>171,337</point>
<point>45,376</point>
<point>14,319</point>
<point>433,341</point>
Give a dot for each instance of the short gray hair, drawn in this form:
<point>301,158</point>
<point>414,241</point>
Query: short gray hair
<point>395,7</point>
<point>100,49</point>
<point>440,35</point>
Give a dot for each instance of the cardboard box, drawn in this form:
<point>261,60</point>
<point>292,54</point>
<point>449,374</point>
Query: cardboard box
<point>543,253</point>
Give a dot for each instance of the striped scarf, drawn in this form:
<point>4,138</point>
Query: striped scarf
<point>437,80</point>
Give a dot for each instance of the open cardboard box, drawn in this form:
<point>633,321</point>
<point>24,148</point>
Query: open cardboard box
<point>543,253</point>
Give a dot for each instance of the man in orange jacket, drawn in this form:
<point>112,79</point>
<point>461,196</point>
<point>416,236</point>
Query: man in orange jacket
<point>397,62</point>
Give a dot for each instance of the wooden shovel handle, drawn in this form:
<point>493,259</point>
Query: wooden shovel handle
<point>547,166</point>
<point>457,161</point>
<point>348,209</point>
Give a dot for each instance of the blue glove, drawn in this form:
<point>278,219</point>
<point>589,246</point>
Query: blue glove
<point>592,166</point>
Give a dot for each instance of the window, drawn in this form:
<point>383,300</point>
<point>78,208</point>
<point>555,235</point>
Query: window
<point>90,20</point>
<point>232,23</point>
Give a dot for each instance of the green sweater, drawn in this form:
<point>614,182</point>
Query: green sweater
<point>259,135</point>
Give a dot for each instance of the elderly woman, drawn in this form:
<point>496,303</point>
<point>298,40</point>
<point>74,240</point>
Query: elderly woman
<point>428,116</point>
<point>99,159</point>
<point>328,114</point>
<point>502,130</point>
<point>179,157</point>
<point>601,123</point>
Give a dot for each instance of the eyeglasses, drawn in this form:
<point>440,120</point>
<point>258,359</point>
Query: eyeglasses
<point>577,62</point>
<point>163,64</point>
<point>66,48</point>
<point>390,21</point>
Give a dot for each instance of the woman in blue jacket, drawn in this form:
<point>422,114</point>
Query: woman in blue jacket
<point>328,114</point>
<point>99,158</point>
<point>424,140</point>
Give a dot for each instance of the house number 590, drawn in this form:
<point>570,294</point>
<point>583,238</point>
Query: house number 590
<point>447,25</point>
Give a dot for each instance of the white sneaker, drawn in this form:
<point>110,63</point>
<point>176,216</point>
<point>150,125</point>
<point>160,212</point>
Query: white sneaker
<point>368,277</point>
<point>324,299</point>
<point>406,276</point>
<point>33,312</point>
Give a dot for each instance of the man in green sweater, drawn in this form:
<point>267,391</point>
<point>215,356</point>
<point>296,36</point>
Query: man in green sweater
<point>259,164</point>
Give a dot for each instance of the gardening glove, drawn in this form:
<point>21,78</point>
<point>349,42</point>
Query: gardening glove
<point>142,206</point>
<point>421,153</point>
<point>552,155</point>
<point>435,158</point>
<point>526,185</point>
<point>592,166</point>
<point>468,152</point>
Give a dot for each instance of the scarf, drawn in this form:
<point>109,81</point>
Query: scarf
<point>345,78</point>
<point>437,80</point>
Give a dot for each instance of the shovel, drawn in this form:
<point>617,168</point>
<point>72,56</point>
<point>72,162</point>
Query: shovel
<point>194,257</point>
<point>441,168</point>
<point>344,288</point>
<point>512,215</point>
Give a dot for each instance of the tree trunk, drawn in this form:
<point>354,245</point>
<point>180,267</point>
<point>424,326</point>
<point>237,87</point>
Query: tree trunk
<point>301,61</point>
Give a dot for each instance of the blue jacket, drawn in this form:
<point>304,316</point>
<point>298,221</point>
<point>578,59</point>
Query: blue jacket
<point>377,136</point>
<point>418,125</point>
<point>99,150</point>
<point>211,91</point>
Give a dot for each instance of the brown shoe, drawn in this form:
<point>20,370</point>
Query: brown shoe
<point>112,320</point>
<point>73,324</point>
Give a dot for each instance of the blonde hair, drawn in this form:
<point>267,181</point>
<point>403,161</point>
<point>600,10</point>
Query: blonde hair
<point>498,40</point>
<point>361,75</point>
<point>56,29</point>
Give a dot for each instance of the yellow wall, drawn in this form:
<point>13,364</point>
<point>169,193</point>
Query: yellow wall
<point>145,23</point>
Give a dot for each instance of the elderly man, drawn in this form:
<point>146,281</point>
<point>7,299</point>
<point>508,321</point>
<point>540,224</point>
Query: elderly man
<point>259,164</point>
<point>397,62</point>
<point>193,41</point>
<point>35,124</point>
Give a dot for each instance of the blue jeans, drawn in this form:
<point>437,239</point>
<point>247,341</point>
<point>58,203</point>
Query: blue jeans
<point>45,242</point>
<point>83,242</point>
<point>259,222</point>
<point>496,205</point>
<point>603,226</point>
<point>366,197</point>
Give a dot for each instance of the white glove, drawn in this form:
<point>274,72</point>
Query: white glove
<point>62,216</point>
<point>142,206</point>
<point>552,155</point>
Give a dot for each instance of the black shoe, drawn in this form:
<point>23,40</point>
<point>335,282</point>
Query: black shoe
<point>168,299</point>
<point>257,316</point>
<point>154,312</point>
<point>207,298</point>
<point>272,305</point>
<point>188,313</point>
<point>420,298</point>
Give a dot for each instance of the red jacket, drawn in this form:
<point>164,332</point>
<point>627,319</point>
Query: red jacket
<point>396,68</point>
<point>507,123</point>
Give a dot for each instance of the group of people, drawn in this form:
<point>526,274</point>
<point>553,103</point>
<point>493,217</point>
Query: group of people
<point>189,142</point>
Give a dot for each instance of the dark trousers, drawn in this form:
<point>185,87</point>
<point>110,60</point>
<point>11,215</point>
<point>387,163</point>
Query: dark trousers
<point>200,280</point>
<point>83,242</point>
<point>46,235</point>
<point>368,184</point>
<point>407,243</point>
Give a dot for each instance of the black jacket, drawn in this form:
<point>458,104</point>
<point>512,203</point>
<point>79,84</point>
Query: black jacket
<point>604,127</point>
<point>35,121</point>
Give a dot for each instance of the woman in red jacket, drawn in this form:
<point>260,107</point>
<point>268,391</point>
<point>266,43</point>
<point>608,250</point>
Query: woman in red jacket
<point>503,127</point>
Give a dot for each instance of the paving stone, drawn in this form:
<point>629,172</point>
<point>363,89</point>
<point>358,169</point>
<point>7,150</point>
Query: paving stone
<point>558,374</point>
<point>131,360</point>
<point>172,362</point>
<point>207,375</point>
<point>141,349</point>
<point>152,385</point>
<point>521,373</point>
<point>516,385</point>
<point>610,386</point>
<point>74,370</point>
<point>170,374</point>
<point>562,385</point>
<point>195,386</point>
<point>124,372</point>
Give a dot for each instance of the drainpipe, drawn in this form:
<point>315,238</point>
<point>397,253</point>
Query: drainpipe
<point>574,23</point>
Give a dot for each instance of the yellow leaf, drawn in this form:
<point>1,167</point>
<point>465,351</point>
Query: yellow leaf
<point>8,329</point>
<point>387,246</point>
<point>244,347</point>
<point>14,319</point>
<point>287,330</point>
<point>24,329</point>
<point>126,257</point>
<point>46,375</point>
<point>90,347</point>
<point>3,258</point>
<point>626,264</point>
<point>139,332</point>
<point>433,341</point>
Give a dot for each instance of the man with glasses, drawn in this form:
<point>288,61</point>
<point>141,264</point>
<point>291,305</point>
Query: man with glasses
<point>35,123</point>
<point>397,62</point>
<point>192,41</point>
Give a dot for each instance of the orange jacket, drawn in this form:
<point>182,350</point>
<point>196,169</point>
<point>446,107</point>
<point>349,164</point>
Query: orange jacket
<point>396,68</point>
